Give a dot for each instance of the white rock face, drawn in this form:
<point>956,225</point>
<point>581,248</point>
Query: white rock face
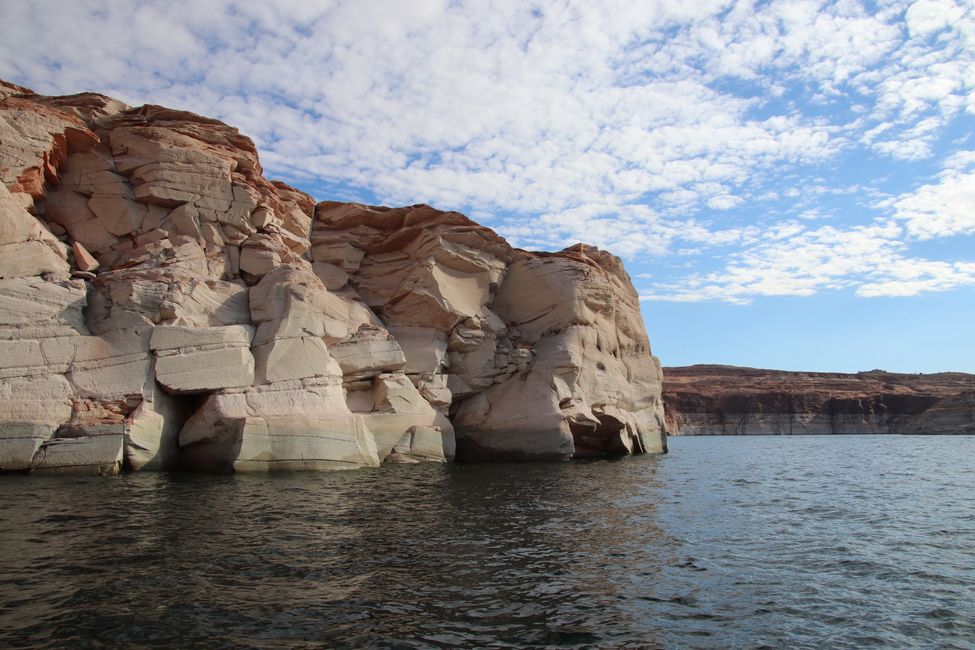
<point>164,305</point>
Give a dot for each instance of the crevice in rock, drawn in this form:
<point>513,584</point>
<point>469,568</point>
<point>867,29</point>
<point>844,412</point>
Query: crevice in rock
<point>601,437</point>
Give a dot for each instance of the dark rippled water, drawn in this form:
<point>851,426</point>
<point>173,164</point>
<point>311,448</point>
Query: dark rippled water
<point>726,542</point>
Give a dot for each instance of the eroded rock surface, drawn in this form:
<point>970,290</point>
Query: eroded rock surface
<point>163,304</point>
<point>727,400</point>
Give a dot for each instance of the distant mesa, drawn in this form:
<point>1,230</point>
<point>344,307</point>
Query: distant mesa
<point>163,304</point>
<point>726,400</point>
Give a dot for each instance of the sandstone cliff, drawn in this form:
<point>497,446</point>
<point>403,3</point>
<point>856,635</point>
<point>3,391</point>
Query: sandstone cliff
<point>163,304</point>
<point>726,400</point>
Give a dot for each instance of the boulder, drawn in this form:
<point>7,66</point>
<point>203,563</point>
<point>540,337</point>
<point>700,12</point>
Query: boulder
<point>332,276</point>
<point>87,455</point>
<point>82,258</point>
<point>206,303</point>
<point>295,357</point>
<point>289,425</point>
<point>202,359</point>
<point>112,366</point>
<point>299,443</point>
<point>435,389</point>
<point>368,354</point>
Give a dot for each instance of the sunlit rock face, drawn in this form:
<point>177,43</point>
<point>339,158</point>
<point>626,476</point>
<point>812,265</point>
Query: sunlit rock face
<point>163,304</point>
<point>727,400</point>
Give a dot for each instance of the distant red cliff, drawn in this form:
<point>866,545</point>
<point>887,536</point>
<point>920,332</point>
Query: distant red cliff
<point>729,400</point>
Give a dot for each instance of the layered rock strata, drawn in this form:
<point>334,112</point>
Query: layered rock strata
<point>163,304</point>
<point>727,400</point>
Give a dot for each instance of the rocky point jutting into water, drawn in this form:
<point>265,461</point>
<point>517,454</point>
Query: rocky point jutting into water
<point>726,400</point>
<point>163,304</point>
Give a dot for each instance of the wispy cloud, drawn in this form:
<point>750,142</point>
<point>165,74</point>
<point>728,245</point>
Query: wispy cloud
<point>654,129</point>
<point>790,259</point>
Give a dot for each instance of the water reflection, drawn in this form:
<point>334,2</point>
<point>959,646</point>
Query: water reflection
<point>472,554</point>
<point>723,542</point>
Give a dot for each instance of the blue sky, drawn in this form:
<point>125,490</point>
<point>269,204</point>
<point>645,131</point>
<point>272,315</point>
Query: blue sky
<point>791,184</point>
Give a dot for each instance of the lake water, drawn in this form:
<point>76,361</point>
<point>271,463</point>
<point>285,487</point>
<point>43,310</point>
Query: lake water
<point>801,541</point>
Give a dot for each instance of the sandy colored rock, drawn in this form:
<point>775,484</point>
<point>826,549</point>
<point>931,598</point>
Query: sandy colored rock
<point>566,380</point>
<point>37,139</point>
<point>397,409</point>
<point>19,441</point>
<point>236,325</point>
<point>166,338</point>
<point>206,303</point>
<point>262,253</point>
<point>299,443</point>
<point>368,355</point>
<point>27,248</point>
<point>424,348</point>
<point>90,455</point>
<point>421,444</point>
<point>296,357</point>
<point>199,360</point>
<point>332,276</point>
<point>111,366</point>
<point>289,425</point>
<point>37,308</point>
<point>292,301</point>
<point>435,389</point>
<point>33,357</point>
<point>83,259</point>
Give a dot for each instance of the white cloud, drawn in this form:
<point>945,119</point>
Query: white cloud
<point>634,126</point>
<point>928,16</point>
<point>944,208</point>
<point>508,107</point>
<point>911,277</point>
<point>791,260</point>
<point>724,202</point>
